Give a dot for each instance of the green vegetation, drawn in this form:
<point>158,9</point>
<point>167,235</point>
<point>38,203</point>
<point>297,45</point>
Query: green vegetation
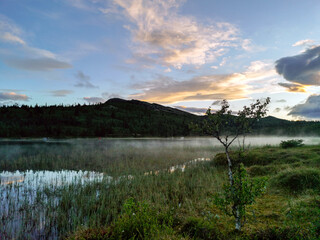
<point>183,200</point>
<point>291,143</point>
<point>121,118</point>
<point>298,180</point>
<point>179,205</point>
<point>241,194</point>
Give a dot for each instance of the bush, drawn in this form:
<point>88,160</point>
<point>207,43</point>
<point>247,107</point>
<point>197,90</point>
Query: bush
<point>298,180</point>
<point>139,221</point>
<point>291,143</point>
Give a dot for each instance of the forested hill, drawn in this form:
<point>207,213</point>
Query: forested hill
<point>120,118</point>
<point>116,117</point>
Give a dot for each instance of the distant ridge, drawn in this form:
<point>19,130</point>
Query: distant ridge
<point>121,118</point>
<point>149,106</point>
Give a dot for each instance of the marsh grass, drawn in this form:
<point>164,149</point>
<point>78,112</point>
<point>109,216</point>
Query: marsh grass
<point>279,214</point>
<point>181,201</point>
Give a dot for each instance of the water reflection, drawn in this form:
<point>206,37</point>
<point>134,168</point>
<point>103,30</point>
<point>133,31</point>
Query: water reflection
<point>28,201</point>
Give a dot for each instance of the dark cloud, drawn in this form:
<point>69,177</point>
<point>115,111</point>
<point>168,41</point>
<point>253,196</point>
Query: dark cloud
<point>94,99</point>
<point>104,98</point>
<point>287,108</point>
<point>281,100</point>
<point>7,96</point>
<point>193,110</point>
<point>309,109</point>
<point>106,95</point>
<point>61,93</point>
<point>217,102</point>
<point>36,64</point>
<point>83,80</point>
<point>277,110</point>
<point>293,87</point>
<point>303,68</point>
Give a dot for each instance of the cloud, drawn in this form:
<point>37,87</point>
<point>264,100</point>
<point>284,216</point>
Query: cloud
<point>303,68</point>
<point>9,37</point>
<point>287,108</point>
<point>277,110</point>
<point>303,43</point>
<point>7,96</point>
<point>83,80</point>
<point>87,5</point>
<point>36,64</point>
<point>104,98</point>
<point>310,109</point>
<point>8,26</point>
<point>281,101</point>
<point>94,99</point>
<point>61,93</point>
<point>106,95</point>
<point>18,54</point>
<point>217,102</point>
<point>79,4</point>
<point>164,89</point>
<point>293,87</point>
<point>194,110</point>
<point>161,35</point>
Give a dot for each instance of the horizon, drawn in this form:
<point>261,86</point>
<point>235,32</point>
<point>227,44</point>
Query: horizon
<point>178,53</point>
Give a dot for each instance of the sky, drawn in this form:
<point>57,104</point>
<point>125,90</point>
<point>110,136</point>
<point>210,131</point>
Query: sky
<point>188,54</point>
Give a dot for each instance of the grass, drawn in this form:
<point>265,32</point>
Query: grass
<point>179,205</point>
<point>279,214</point>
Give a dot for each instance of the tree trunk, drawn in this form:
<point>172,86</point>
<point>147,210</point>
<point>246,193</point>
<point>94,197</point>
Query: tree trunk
<point>230,174</point>
<point>229,168</point>
<point>238,220</point>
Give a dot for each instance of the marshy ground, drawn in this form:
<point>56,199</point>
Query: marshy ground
<point>164,204</point>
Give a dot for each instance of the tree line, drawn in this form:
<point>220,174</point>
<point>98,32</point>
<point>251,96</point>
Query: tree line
<point>121,118</point>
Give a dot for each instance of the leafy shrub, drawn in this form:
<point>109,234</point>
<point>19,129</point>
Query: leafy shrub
<point>298,180</point>
<point>237,196</point>
<point>291,143</point>
<point>139,221</point>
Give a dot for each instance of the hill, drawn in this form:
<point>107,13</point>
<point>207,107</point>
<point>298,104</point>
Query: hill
<point>121,118</point>
<point>114,118</point>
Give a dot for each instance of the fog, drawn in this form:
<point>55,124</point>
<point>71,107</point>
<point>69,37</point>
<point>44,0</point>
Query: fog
<point>12,149</point>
